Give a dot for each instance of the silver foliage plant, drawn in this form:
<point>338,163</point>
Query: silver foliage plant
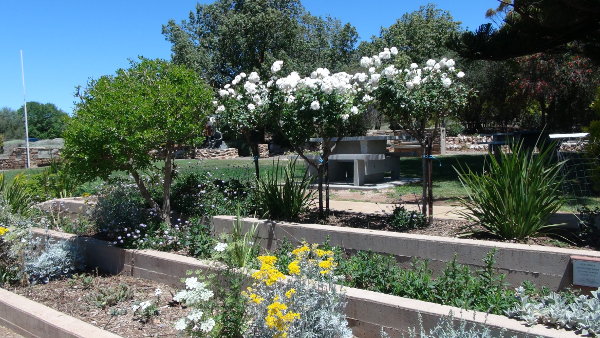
<point>562,310</point>
<point>54,259</point>
<point>446,327</point>
<point>311,295</point>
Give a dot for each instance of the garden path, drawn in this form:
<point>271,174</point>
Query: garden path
<point>439,211</point>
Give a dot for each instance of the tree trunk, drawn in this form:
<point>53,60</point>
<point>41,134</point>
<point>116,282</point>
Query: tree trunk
<point>168,178</point>
<point>320,188</point>
<point>429,179</point>
<point>254,149</point>
<point>143,190</point>
<point>424,179</point>
<point>326,188</point>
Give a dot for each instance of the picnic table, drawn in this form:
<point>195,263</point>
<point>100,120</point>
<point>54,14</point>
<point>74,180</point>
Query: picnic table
<point>364,159</point>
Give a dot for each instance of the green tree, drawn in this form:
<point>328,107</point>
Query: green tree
<point>11,124</point>
<point>130,120</point>
<point>533,26</point>
<point>228,37</point>
<point>419,36</point>
<point>45,120</point>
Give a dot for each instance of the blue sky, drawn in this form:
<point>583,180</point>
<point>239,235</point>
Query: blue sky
<point>67,42</point>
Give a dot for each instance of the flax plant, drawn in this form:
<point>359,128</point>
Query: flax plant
<point>516,196</point>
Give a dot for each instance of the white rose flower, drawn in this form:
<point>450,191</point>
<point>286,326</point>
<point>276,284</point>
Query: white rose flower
<point>450,63</point>
<point>372,70</point>
<point>315,105</point>
<point>345,117</point>
<point>430,63</point>
<point>367,98</point>
<point>366,62</point>
<point>354,110</point>
<point>394,51</point>
<point>410,85</point>
<point>460,75</point>
<point>250,87</point>
<point>414,66</point>
<point>254,78</point>
<point>220,109</point>
<point>376,61</point>
<point>223,93</point>
<point>416,80</point>
<point>276,66</point>
<point>243,75</point>
<point>385,55</point>
<point>446,82</point>
<point>375,79</point>
<point>251,107</point>
<point>290,99</point>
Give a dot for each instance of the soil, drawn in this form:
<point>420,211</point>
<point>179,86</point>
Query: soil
<point>73,297</point>
<point>440,227</point>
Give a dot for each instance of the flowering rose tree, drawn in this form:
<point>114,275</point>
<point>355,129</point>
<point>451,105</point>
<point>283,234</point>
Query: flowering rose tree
<point>324,105</point>
<point>417,98</point>
<point>242,105</point>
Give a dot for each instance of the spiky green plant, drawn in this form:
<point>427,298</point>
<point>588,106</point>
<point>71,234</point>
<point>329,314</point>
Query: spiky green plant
<point>516,195</point>
<point>281,195</point>
<point>16,195</point>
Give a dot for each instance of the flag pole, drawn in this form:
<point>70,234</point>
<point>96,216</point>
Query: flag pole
<point>25,109</point>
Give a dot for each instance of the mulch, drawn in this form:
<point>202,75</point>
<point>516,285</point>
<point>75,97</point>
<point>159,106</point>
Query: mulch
<point>71,297</point>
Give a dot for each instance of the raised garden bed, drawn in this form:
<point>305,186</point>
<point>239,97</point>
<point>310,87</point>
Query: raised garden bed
<point>545,266</point>
<point>368,312</point>
<point>107,302</point>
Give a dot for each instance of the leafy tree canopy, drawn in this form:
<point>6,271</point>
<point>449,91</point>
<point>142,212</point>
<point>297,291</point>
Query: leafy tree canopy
<point>532,26</point>
<point>11,124</point>
<point>45,120</point>
<point>129,120</point>
<point>419,36</point>
<point>227,37</point>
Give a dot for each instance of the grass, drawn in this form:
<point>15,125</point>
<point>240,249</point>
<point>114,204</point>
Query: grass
<point>445,179</point>
<point>446,185</point>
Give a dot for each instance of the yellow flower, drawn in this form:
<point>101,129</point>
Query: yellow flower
<point>268,260</point>
<point>290,293</point>
<point>268,274</point>
<point>3,231</point>
<point>294,268</point>
<point>301,250</point>
<point>278,319</point>
<point>326,264</point>
<point>256,298</point>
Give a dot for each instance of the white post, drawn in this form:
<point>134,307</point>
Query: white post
<point>25,109</point>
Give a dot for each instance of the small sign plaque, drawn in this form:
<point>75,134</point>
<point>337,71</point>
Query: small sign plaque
<point>586,271</point>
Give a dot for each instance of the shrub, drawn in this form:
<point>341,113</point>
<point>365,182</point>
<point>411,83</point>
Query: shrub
<point>516,196</point>
<point>482,290</point>
<point>57,181</point>
<point>16,195</point>
<point>563,310</point>
<point>54,260</point>
<point>402,219</point>
<point>121,215</point>
<point>454,127</point>
<point>297,307</point>
<point>195,195</point>
<point>282,196</point>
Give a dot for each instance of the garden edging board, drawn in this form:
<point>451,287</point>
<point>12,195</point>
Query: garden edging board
<point>32,319</point>
<point>368,312</point>
<point>545,266</point>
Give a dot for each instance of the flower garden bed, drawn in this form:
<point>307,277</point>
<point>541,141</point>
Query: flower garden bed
<point>368,312</point>
<point>545,266</point>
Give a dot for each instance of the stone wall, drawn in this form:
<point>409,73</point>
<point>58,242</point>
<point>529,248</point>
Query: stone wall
<point>38,157</point>
<point>407,145</point>
<point>468,143</point>
<point>263,150</point>
<point>220,154</point>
